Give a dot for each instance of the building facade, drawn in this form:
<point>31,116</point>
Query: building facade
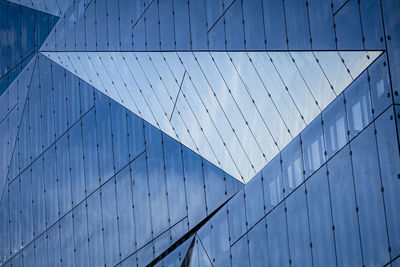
<point>200,133</point>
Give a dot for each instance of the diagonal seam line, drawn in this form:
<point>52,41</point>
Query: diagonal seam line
<point>145,10</point>
<point>176,100</point>
<point>16,66</point>
<point>87,6</point>
<point>20,121</point>
<point>340,8</point>
<point>188,234</point>
<point>223,13</point>
<point>204,249</point>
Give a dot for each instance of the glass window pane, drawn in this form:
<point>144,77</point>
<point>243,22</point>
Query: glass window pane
<point>79,27</point>
<point>198,24</point>
<point>53,246</point>
<point>369,198</point>
<point>101,25</point>
<point>47,102</point>
<point>358,105</point>
<point>96,250</point>
<point>240,252</point>
<point>110,225</point>
<point>194,183</point>
<point>126,23</point>
<point>156,175</point>
<point>41,249</point>
<point>39,200</point>
<point>390,10</point>
<point>299,239</point>
<point>138,33</point>
<point>125,212</point>
<point>297,24</point>
<point>343,209</point>
<point>254,25</point>
<point>292,165</point>
<point>321,25</point>
<point>313,146</point>
<point>237,217</point>
<point>258,246</point>
<point>113,18</point>
<point>215,33</point>
<point>272,181</point>
<point>135,135</point>
<point>73,101</point>
<point>63,175</point>
<point>87,99</point>
<point>182,30</point>
<point>233,22</point>
<point>174,176</point>
<point>50,174</point>
<point>319,207</point>
<point>15,218</point>
<point>76,158</point>
<point>104,140</point>
<point>277,237</point>
<point>214,179</point>
<point>274,22</point>
<point>29,254</point>
<point>254,199</point>
<point>348,26</point>
<point>26,206</point>
<point>380,85</point>
<point>216,229</point>
<point>141,201</point>
<point>81,235</point>
<point>119,135</point>
<point>390,169</point>
<point>67,240</point>
<point>34,114</point>
<point>60,104</point>
<point>152,27</point>
<point>5,228</point>
<point>167,25</point>
<point>371,19</point>
<point>335,126</point>
<point>90,152</point>
<point>24,139</point>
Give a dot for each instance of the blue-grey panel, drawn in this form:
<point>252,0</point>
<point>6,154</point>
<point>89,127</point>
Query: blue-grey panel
<point>345,220</point>
<point>369,199</point>
<point>390,169</point>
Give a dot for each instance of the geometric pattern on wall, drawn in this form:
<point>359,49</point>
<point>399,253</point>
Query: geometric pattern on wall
<point>23,30</point>
<point>11,109</point>
<point>75,146</point>
<point>235,109</point>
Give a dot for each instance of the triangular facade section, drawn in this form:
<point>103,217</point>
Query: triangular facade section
<point>23,32</point>
<point>235,109</point>
<point>74,141</point>
<point>12,104</point>
<point>199,256</point>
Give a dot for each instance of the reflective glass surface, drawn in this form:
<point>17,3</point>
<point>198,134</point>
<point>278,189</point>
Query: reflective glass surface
<point>199,133</point>
<point>220,91</point>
